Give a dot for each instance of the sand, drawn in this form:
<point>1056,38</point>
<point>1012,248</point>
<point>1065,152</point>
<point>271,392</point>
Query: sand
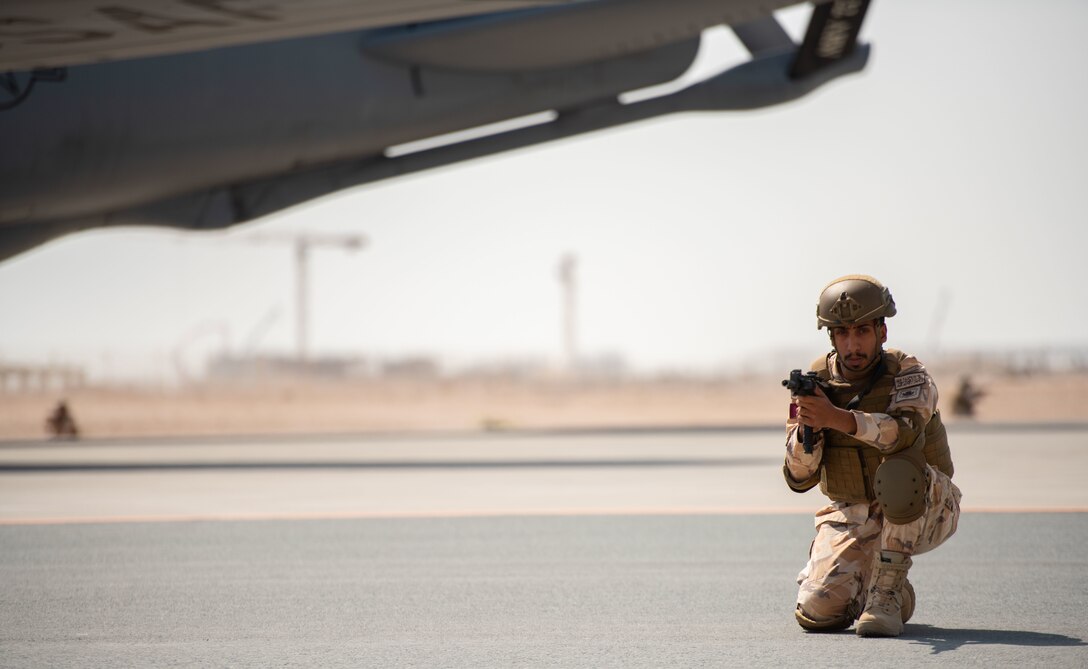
<point>475,405</point>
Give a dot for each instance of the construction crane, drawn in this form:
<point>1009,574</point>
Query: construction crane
<point>302,244</point>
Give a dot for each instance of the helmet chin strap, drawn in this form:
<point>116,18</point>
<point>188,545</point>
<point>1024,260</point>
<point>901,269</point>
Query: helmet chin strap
<point>874,371</point>
<point>851,375</point>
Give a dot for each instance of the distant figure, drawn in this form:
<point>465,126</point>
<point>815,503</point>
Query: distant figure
<point>963,404</point>
<point>61,424</point>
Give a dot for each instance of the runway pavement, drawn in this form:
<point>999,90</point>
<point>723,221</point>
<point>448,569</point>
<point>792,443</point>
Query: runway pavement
<point>571,550</point>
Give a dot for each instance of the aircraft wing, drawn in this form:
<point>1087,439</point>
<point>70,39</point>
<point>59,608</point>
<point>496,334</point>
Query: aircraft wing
<point>201,114</point>
<point>56,33</point>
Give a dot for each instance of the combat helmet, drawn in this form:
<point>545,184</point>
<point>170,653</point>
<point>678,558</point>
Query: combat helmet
<point>854,298</point>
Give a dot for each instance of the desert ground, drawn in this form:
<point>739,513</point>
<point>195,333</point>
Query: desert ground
<point>428,405</point>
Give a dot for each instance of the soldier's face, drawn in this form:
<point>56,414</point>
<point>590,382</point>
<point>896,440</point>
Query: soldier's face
<point>858,345</point>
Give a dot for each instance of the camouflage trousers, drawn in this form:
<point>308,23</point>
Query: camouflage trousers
<point>848,538</point>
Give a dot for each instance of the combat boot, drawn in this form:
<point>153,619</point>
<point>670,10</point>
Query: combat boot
<point>908,600</point>
<point>884,602</point>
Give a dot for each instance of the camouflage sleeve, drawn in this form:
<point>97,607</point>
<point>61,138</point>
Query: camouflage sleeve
<point>914,399</point>
<point>801,469</point>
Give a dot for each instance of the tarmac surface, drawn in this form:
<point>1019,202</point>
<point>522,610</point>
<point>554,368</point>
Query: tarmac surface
<point>639,549</point>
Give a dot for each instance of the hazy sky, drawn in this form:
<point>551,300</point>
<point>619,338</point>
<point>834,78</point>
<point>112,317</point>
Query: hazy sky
<point>954,168</point>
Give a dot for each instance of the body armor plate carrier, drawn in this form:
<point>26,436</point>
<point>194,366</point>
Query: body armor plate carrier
<point>848,468</point>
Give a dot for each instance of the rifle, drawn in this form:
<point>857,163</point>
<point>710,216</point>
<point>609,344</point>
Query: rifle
<point>803,384</point>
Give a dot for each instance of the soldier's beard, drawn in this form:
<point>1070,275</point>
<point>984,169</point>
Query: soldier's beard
<point>856,361</point>
<point>856,366</point>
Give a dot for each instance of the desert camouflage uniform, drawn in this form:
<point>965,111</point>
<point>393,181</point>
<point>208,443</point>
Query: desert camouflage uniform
<point>849,534</point>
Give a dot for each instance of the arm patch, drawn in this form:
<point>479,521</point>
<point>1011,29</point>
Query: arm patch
<point>908,394</point>
<point>910,380</point>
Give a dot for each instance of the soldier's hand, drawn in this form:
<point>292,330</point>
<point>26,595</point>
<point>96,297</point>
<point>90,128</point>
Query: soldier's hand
<point>817,412</point>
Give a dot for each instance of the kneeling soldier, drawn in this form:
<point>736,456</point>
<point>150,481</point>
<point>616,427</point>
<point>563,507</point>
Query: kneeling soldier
<point>880,453</point>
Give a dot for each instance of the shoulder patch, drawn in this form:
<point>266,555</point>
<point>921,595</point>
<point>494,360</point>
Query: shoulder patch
<point>908,394</point>
<point>909,380</point>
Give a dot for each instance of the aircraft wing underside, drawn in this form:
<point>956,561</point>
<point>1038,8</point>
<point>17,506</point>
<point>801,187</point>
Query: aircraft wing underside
<point>202,114</point>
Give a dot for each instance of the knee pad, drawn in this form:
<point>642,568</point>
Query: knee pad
<point>900,488</point>
<point>833,625</point>
<point>825,616</point>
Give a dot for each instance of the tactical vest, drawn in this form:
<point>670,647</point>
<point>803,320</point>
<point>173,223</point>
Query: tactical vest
<point>848,467</point>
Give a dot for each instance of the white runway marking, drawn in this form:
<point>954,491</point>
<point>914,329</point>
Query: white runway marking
<point>563,475</point>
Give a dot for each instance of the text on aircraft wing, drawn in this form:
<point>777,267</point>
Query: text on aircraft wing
<point>76,32</point>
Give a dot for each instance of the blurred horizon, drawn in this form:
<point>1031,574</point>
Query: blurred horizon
<point>227,369</point>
